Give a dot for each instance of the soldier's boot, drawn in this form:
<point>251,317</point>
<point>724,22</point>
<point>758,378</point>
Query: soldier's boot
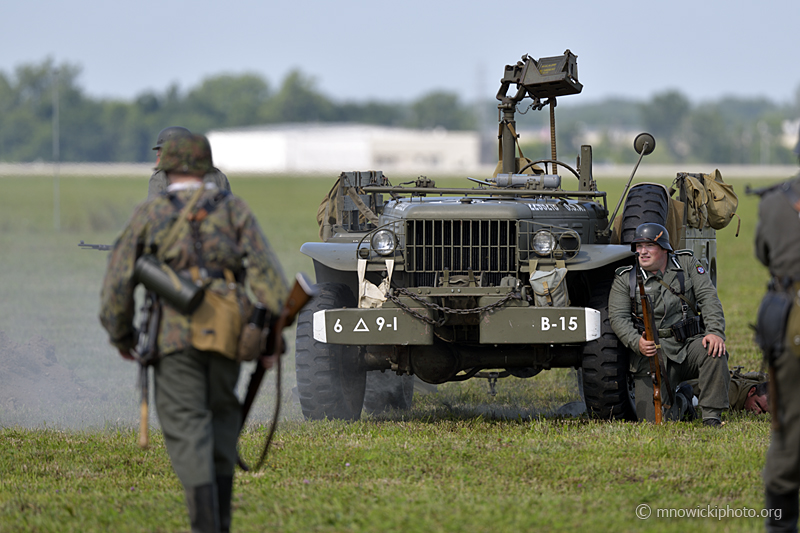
<point>783,511</point>
<point>712,417</point>
<point>224,494</point>
<point>201,501</point>
<point>684,396</point>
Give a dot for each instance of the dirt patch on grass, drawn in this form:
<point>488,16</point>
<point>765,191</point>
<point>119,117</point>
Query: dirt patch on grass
<point>33,382</point>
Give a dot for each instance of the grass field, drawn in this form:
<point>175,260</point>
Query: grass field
<point>460,460</point>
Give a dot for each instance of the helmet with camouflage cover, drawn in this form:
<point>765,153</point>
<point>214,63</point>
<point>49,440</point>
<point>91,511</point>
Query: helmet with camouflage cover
<point>172,132</point>
<point>186,155</point>
<point>651,232</point>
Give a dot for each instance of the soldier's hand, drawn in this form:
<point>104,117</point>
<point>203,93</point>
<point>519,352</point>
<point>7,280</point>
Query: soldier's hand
<point>714,344</point>
<point>268,361</point>
<point>647,348</point>
<point>126,354</point>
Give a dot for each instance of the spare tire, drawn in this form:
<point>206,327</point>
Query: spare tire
<point>646,202</point>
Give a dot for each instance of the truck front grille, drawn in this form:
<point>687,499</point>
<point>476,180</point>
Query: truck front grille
<point>488,248</point>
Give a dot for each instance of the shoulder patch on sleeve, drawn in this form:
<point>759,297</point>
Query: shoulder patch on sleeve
<point>683,252</point>
<point>621,270</point>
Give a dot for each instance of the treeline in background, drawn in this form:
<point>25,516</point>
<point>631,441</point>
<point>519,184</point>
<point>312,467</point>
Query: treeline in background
<point>726,131</point>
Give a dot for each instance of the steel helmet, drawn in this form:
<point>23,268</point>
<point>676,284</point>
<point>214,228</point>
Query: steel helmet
<point>651,232</point>
<point>172,132</point>
<point>186,155</point>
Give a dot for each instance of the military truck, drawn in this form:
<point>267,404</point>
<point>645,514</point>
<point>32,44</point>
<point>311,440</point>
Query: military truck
<point>507,276</point>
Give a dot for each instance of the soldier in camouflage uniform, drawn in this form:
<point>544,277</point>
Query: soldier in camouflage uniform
<point>158,181</point>
<point>778,248</point>
<point>667,277</point>
<point>194,390</point>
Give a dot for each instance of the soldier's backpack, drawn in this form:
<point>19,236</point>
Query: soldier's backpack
<point>722,201</point>
<point>709,200</point>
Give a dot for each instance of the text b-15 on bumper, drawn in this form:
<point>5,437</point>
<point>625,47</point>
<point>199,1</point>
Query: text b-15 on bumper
<point>510,325</point>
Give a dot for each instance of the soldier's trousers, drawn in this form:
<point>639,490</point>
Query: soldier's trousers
<point>199,414</point>
<point>711,372</point>
<point>782,468</point>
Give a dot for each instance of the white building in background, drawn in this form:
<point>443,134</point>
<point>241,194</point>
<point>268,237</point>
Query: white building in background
<point>343,147</point>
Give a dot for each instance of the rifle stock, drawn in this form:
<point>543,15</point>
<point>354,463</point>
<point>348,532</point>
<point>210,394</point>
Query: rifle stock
<point>144,437</point>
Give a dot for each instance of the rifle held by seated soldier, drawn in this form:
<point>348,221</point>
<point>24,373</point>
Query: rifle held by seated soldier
<point>657,363</point>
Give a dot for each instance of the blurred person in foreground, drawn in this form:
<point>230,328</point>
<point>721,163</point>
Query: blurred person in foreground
<point>777,246</point>
<point>218,245</point>
<point>158,180</point>
<point>681,290</point>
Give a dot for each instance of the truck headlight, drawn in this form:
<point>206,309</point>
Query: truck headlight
<point>570,242</point>
<point>383,242</point>
<point>543,242</point>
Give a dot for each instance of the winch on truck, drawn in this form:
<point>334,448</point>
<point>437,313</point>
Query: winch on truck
<point>510,275</point>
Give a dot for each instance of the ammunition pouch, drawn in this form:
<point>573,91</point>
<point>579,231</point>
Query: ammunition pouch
<point>687,328</point>
<point>180,293</point>
<point>682,330</point>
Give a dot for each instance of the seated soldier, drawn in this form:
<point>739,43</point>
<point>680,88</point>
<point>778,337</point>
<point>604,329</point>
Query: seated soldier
<point>691,348</point>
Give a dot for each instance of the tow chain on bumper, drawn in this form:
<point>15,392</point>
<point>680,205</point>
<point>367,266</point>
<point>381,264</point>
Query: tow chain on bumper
<point>393,296</point>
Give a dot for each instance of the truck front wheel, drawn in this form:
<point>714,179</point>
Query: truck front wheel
<point>605,367</point>
<point>330,377</point>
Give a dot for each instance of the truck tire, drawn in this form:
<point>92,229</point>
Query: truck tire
<point>386,390</point>
<point>330,377</point>
<point>605,367</point>
<point>646,202</point>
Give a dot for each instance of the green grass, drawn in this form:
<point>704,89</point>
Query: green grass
<point>460,460</point>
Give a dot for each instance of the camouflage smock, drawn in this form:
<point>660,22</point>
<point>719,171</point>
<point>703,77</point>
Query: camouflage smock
<point>231,238</point>
<point>698,289</point>
<point>158,182</point>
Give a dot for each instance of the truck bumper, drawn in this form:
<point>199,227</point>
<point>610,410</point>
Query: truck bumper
<point>510,325</point>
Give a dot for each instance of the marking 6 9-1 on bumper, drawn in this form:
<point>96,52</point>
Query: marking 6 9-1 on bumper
<point>372,326</point>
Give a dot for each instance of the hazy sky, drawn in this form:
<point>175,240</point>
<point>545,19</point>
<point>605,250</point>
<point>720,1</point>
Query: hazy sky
<point>358,50</point>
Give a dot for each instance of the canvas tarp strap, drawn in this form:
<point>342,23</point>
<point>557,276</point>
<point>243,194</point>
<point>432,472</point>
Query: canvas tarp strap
<point>183,217</point>
<point>362,207</point>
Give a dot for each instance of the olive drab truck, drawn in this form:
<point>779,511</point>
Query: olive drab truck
<point>507,276</point>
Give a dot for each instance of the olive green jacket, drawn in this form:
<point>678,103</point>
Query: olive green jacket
<point>777,245</point>
<point>698,289</point>
<point>230,239</point>
<point>158,182</point>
